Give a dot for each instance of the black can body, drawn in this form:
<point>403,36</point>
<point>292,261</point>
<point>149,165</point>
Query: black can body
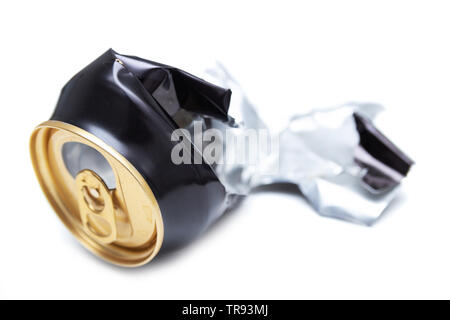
<point>128,103</point>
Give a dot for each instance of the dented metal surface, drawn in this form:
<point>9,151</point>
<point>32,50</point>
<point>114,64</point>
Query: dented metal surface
<point>128,109</point>
<point>342,164</point>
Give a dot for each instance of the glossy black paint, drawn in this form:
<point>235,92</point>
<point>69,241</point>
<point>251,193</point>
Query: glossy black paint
<point>380,148</point>
<point>130,104</point>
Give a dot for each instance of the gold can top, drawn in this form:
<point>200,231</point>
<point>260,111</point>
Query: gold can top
<point>98,194</point>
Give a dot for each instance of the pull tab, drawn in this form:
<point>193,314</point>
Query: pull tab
<point>96,207</point>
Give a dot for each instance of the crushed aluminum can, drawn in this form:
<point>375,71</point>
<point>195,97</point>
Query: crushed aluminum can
<point>106,158</point>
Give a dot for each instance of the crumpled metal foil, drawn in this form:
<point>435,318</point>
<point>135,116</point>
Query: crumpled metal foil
<point>343,165</point>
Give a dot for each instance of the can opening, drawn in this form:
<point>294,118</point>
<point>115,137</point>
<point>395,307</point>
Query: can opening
<point>78,156</point>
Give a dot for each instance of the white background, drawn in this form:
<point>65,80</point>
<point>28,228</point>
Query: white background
<point>289,57</point>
